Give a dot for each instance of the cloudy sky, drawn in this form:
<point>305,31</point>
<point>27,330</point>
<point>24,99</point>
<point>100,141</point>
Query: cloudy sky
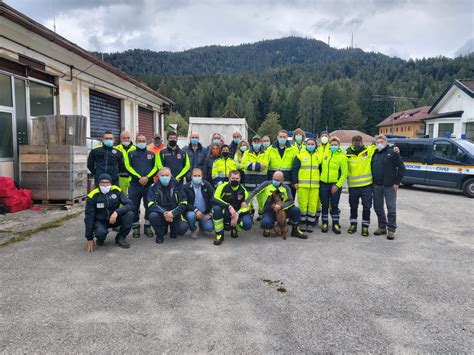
<point>403,28</point>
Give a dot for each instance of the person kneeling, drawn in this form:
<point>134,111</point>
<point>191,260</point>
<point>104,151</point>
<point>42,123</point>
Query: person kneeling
<point>230,208</point>
<point>265,190</point>
<point>103,211</point>
<point>167,202</point>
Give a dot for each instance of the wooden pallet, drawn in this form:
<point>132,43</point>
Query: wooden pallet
<point>65,204</point>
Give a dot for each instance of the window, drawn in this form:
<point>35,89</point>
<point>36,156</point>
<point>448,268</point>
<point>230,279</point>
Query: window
<point>431,130</point>
<point>6,135</point>
<point>447,150</point>
<point>5,91</point>
<point>445,130</point>
<point>470,131</point>
<point>413,152</point>
<point>41,100</point>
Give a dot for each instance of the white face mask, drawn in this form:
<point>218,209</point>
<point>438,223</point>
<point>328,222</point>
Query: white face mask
<point>380,146</point>
<point>105,189</point>
<point>324,139</point>
<point>126,144</point>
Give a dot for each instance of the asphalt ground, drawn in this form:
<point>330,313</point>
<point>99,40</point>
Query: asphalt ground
<point>252,294</point>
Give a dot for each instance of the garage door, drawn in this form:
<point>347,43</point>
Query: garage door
<point>105,114</point>
<point>145,123</point>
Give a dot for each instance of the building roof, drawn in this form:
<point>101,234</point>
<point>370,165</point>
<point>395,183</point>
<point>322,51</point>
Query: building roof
<point>30,24</point>
<point>345,135</point>
<point>466,85</point>
<point>407,116</point>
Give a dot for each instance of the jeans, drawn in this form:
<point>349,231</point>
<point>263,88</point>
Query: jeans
<point>159,224</point>
<point>390,196</point>
<point>328,197</point>
<point>268,218</point>
<point>137,193</point>
<point>206,226</point>
<point>101,229</point>
<point>361,193</point>
<point>222,215</point>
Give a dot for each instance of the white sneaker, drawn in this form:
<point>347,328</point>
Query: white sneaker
<point>194,234</point>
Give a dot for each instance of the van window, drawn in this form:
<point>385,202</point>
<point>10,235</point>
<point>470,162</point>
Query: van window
<point>413,152</point>
<point>447,150</point>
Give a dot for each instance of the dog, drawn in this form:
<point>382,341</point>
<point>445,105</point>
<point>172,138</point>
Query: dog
<point>281,227</point>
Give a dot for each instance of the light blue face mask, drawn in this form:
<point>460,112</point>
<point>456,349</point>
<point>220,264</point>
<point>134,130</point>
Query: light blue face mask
<point>310,148</point>
<point>256,146</point>
<point>298,138</point>
<point>236,140</point>
<point>194,141</point>
<point>141,145</point>
<point>217,141</point>
<point>276,183</point>
<point>165,180</point>
<point>197,180</point>
<point>266,144</point>
<point>334,149</point>
<point>281,141</point>
<point>243,148</point>
<point>108,143</point>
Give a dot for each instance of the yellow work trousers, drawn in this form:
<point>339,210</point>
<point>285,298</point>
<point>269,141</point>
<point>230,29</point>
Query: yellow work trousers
<point>308,203</point>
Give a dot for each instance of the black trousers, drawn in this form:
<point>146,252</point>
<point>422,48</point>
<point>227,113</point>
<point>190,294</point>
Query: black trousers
<point>365,194</point>
<point>101,228</point>
<point>159,224</point>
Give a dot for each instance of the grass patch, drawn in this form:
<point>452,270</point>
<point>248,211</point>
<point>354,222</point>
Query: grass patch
<point>25,235</point>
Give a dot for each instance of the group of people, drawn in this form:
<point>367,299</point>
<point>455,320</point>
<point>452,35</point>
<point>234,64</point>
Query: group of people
<point>221,186</point>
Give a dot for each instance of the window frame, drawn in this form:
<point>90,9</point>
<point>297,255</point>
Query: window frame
<point>436,156</point>
<point>11,111</point>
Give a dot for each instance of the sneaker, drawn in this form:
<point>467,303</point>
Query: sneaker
<point>380,231</point>
<point>309,228</point>
<point>391,235</point>
<point>324,228</point>
<point>219,239</point>
<point>100,242</point>
<point>365,231</point>
<point>234,233</point>
<point>159,239</point>
<point>353,228</point>
<point>336,228</point>
<point>266,233</point>
<point>194,234</point>
<point>297,233</point>
<point>136,232</point>
<point>148,232</point>
<point>122,243</point>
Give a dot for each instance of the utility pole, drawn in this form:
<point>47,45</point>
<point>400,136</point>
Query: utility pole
<point>329,41</point>
<point>352,40</point>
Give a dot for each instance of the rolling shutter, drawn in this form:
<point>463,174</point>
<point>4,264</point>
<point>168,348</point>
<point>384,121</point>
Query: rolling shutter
<point>145,123</point>
<point>105,114</point>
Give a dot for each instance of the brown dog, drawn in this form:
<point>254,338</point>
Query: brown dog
<point>281,228</point>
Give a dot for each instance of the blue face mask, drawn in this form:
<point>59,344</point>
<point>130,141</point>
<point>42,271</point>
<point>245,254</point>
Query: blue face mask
<point>334,149</point>
<point>298,138</point>
<point>108,143</point>
<point>217,141</point>
<point>197,180</point>
<point>310,148</point>
<point>236,140</point>
<point>243,148</point>
<point>141,146</point>
<point>194,141</point>
<point>281,141</point>
<point>165,180</point>
<point>276,183</point>
<point>256,146</point>
<point>266,144</point>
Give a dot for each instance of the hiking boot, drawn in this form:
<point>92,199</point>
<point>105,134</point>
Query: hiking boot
<point>324,228</point>
<point>380,231</point>
<point>234,233</point>
<point>336,228</point>
<point>365,231</point>
<point>297,233</point>
<point>136,232</point>
<point>122,243</point>
<point>100,242</point>
<point>194,234</point>
<point>391,235</point>
<point>148,232</point>
<point>353,228</point>
<point>309,228</point>
<point>266,233</point>
<point>259,218</point>
<point>219,239</point>
<point>159,239</point>
<point>303,228</point>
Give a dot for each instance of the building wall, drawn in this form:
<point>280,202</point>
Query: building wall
<point>410,130</point>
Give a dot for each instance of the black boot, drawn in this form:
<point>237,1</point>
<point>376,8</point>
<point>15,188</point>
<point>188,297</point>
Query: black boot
<point>309,228</point>
<point>234,233</point>
<point>352,229</point>
<point>219,238</point>
<point>159,239</point>
<point>297,233</point>
<point>266,233</point>
<point>122,243</point>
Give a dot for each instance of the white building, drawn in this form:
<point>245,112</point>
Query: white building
<point>453,113</point>
<point>42,73</point>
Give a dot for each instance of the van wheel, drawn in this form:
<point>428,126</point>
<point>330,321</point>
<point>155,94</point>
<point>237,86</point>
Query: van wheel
<point>468,188</point>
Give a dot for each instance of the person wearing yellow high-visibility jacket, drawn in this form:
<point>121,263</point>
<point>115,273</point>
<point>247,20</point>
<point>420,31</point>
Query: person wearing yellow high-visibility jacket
<point>332,177</point>
<point>223,166</point>
<point>281,156</point>
<point>125,146</point>
<point>255,166</point>
<point>322,149</point>
<point>299,138</point>
<point>305,177</point>
<point>359,181</point>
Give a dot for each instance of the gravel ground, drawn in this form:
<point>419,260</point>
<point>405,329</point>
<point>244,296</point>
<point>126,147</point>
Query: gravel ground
<point>251,295</point>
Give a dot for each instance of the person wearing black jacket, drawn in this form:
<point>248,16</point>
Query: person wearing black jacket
<point>103,211</point>
<point>199,194</point>
<point>196,154</point>
<point>166,205</point>
<point>387,173</point>
<point>105,159</point>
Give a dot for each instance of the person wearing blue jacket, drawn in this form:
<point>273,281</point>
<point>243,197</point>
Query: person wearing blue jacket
<point>105,159</point>
<point>166,204</point>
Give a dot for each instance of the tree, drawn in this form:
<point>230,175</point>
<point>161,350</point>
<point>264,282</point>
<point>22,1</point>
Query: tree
<point>271,125</point>
<point>353,118</point>
<point>309,111</point>
<point>176,118</point>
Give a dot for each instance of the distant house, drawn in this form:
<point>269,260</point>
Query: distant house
<point>408,123</point>
<point>345,135</point>
<point>453,113</point>
<point>42,73</point>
